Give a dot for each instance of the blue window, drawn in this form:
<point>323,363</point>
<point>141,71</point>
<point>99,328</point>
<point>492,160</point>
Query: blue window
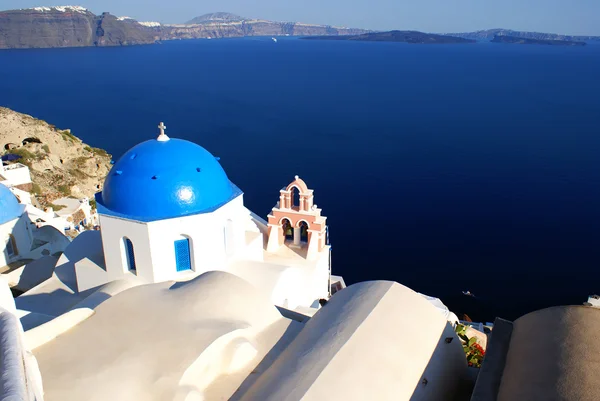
<point>130,255</point>
<point>182,255</point>
<point>10,246</point>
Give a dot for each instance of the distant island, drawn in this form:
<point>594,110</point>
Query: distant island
<point>526,41</point>
<point>490,34</point>
<point>398,36</point>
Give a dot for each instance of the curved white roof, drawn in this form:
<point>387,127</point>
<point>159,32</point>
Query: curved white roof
<point>139,343</point>
<point>372,341</point>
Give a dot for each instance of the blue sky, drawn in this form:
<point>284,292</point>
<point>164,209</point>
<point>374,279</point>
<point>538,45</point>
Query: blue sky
<point>556,16</point>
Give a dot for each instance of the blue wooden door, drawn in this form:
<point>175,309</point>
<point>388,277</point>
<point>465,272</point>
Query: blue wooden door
<point>182,255</point>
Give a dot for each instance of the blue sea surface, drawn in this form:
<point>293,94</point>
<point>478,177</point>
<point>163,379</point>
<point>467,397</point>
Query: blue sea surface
<point>443,167</point>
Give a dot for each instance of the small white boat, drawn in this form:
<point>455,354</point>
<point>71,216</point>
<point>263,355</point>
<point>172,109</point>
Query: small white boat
<point>274,40</point>
<point>468,293</point>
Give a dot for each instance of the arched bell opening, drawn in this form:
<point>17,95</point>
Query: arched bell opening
<point>288,230</point>
<point>295,195</point>
<point>303,232</point>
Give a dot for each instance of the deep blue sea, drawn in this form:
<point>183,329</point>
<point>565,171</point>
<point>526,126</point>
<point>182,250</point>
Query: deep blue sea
<point>443,167</point>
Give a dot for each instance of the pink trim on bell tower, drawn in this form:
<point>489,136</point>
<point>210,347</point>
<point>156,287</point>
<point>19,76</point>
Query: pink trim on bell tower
<point>304,218</point>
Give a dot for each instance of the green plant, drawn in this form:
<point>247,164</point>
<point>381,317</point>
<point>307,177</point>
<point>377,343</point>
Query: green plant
<point>96,151</point>
<point>67,136</point>
<point>26,156</point>
<point>93,204</point>
<point>473,351</point>
<point>101,152</point>
<point>36,189</point>
<point>56,208</point>
<point>81,161</point>
<point>64,189</point>
<point>79,174</point>
<point>46,148</point>
<point>24,153</point>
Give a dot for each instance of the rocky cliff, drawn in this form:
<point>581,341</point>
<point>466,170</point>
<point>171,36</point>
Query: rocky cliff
<point>223,25</point>
<point>60,163</point>
<point>75,26</point>
<point>250,28</point>
<point>42,27</point>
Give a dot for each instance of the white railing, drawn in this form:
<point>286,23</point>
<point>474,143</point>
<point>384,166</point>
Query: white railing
<point>475,325</point>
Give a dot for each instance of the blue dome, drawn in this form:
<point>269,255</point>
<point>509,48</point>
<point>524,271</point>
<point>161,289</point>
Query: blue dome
<point>160,180</point>
<point>10,208</point>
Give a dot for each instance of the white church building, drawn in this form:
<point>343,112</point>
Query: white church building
<point>167,219</point>
<point>176,218</point>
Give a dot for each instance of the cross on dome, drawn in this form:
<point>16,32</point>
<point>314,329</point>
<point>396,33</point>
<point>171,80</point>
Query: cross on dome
<point>162,137</point>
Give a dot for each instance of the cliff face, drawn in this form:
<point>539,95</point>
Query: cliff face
<point>26,28</point>
<point>111,31</point>
<point>75,26</point>
<point>60,164</point>
<point>68,27</point>
<point>212,29</point>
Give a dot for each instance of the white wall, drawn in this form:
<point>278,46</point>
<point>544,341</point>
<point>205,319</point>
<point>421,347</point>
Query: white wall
<point>254,249</point>
<point>290,285</point>
<point>207,240</point>
<point>320,277</point>
<point>50,219</point>
<point>113,231</point>
<point>23,196</point>
<point>21,231</point>
<point>21,378</point>
<point>86,209</point>
<point>16,175</point>
<point>309,284</point>
<point>154,247</point>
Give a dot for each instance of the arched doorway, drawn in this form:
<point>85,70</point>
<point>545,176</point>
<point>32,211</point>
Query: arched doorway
<point>288,231</point>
